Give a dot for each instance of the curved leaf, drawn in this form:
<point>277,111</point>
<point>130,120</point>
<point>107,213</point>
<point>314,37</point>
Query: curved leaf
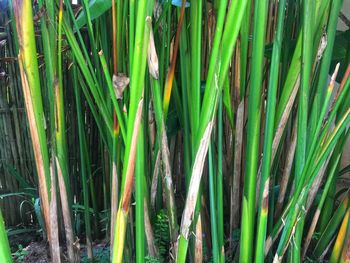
<point>96,8</point>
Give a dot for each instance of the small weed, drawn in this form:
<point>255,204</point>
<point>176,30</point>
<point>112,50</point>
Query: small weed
<point>20,254</point>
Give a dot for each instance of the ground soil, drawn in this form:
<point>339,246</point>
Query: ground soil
<point>38,252</point>
<point>27,248</point>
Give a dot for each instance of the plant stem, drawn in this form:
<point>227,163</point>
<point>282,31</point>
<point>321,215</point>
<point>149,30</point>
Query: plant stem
<point>253,131</point>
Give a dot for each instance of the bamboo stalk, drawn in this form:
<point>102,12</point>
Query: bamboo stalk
<point>268,140</point>
<point>139,196</point>
<point>115,181</point>
<point>319,207</point>
<point>213,211</point>
<point>210,100</point>
<point>5,252</point>
<point>54,241</point>
<point>152,249</point>
<point>254,105</point>
<point>340,240</point>
<point>31,89</point>
<point>170,75</point>
<point>66,214</point>
<point>83,164</point>
<point>236,180</point>
<point>203,96</point>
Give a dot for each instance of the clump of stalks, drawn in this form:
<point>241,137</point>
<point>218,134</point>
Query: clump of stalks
<point>225,114</point>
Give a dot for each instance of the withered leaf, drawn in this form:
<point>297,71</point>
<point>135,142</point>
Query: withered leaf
<point>120,81</point>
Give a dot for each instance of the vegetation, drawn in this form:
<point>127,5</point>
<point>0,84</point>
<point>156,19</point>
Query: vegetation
<point>182,131</point>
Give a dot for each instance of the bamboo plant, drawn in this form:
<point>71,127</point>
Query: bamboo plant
<point>187,131</point>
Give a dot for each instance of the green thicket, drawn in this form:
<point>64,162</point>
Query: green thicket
<point>186,131</point>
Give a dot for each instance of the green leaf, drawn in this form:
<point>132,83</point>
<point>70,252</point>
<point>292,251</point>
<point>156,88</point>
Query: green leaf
<point>97,8</point>
<point>19,194</point>
<point>21,180</point>
<point>13,232</point>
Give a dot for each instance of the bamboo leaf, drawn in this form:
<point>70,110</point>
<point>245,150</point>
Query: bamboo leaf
<point>97,8</point>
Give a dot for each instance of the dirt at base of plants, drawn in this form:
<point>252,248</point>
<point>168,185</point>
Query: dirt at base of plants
<point>39,252</point>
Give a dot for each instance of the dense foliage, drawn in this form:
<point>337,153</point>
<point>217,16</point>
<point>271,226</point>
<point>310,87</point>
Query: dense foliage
<point>184,131</point>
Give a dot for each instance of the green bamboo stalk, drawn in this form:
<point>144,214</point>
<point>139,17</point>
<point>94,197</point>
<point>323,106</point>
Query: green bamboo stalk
<point>171,71</point>
<point>131,31</point>
<point>61,145</point>
<point>287,39</point>
<point>143,25</point>
<point>226,99</point>
<point>50,59</point>
<point>244,38</point>
<point>51,28</point>
<point>321,203</point>
<point>307,46</point>
<point>295,65</point>
<point>196,36</point>
<point>269,133</point>
<point>302,143</point>
<point>61,141</point>
<point>326,59</point>
<point>328,207</point>
<point>345,254</point>
<point>83,164</point>
<point>115,178</point>
<point>139,197</point>
<point>31,87</point>
<point>185,92</point>
<point>194,95</point>
<point>5,252</point>
<point>331,227</point>
<point>210,101</point>
<point>120,20</point>
<point>253,132</point>
<point>213,211</point>
<point>341,237</point>
<point>219,185</point>
<point>93,43</point>
<point>116,127</point>
<point>165,49</point>
<point>220,55</point>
